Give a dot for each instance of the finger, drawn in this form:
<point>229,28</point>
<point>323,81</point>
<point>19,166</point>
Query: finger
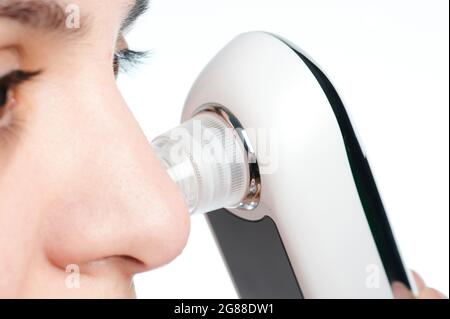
<point>431,293</point>
<point>420,283</point>
<point>400,291</point>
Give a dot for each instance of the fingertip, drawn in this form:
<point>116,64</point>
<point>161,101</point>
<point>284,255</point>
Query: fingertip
<point>420,283</point>
<point>431,293</point>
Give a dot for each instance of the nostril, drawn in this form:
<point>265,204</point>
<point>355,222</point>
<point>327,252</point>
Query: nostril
<point>121,264</point>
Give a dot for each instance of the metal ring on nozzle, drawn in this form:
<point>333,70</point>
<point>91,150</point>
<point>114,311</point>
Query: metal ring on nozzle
<point>251,200</point>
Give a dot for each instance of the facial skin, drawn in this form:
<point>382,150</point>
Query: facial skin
<point>79,183</point>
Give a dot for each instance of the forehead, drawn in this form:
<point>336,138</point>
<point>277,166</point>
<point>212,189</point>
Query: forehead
<point>64,17</point>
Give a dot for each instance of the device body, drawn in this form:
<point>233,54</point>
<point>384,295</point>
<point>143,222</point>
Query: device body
<point>320,229</point>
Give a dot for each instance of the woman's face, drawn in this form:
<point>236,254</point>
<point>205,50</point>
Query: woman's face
<point>80,188</point>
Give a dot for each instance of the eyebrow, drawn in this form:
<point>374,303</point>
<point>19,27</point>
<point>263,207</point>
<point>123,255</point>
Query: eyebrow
<point>139,8</point>
<point>37,14</point>
<point>51,15</point>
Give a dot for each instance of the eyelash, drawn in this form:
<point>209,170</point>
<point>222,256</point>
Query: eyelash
<point>17,77</point>
<point>123,59</point>
<point>126,59</point>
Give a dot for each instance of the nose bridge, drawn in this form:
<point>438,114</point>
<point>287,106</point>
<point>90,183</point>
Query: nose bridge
<point>103,124</point>
<point>115,153</point>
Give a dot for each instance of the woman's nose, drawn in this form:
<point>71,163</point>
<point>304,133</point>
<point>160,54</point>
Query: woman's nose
<point>115,202</point>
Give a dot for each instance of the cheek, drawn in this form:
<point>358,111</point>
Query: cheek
<point>20,219</point>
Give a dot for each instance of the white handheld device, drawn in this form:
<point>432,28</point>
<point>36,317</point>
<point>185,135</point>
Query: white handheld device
<point>303,215</point>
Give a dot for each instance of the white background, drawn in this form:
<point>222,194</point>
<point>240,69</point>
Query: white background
<point>390,62</point>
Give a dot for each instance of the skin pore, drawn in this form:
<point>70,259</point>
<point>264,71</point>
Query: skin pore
<point>79,183</point>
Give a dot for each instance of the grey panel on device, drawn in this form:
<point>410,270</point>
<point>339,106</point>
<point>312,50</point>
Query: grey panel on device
<point>255,256</point>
